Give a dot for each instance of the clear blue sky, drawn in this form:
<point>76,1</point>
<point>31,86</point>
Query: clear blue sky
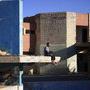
<point>32,7</point>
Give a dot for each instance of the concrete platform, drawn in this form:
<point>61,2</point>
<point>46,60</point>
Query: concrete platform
<point>27,59</point>
<point>11,87</point>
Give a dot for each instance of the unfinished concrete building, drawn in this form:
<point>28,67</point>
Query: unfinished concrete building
<point>62,30</point>
<point>68,34</point>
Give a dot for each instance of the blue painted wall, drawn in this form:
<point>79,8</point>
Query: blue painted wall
<point>11,26</point>
<point>58,85</point>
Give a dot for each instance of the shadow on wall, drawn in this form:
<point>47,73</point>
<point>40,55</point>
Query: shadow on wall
<point>61,67</point>
<point>67,52</point>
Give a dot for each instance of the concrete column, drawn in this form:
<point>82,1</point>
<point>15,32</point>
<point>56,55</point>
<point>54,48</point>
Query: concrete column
<point>70,42</point>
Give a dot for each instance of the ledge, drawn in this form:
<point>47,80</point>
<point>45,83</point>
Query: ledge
<point>27,59</point>
<point>86,44</point>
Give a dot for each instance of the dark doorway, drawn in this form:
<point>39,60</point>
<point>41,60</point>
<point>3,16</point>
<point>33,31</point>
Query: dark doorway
<point>84,35</point>
<point>82,62</point>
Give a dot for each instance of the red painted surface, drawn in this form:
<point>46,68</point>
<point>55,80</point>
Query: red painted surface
<point>26,37</point>
<point>82,19</point>
<point>29,39</point>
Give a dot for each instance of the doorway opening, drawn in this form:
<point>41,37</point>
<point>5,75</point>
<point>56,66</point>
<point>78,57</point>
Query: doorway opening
<point>82,34</point>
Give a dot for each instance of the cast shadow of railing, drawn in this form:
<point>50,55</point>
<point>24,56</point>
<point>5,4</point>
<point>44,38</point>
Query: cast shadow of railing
<point>67,52</point>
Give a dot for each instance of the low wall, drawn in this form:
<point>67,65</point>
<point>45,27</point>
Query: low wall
<point>11,87</point>
<point>27,59</point>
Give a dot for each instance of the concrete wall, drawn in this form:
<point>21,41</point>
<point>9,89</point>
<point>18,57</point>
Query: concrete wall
<point>50,28</point>
<point>38,35</point>
<point>52,69</point>
<point>11,26</point>
<point>60,30</point>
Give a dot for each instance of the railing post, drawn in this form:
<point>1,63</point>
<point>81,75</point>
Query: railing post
<point>20,76</point>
